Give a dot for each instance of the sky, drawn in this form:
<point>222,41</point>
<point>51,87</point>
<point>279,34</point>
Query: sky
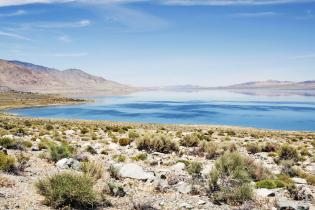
<point>164,42</point>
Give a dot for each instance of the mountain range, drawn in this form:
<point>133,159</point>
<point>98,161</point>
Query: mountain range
<point>21,76</point>
<point>27,77</point>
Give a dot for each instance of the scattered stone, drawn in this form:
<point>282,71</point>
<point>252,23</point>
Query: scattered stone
<point>134,171</point>
<point>285,204</point>
<point>184,187</point>
<point>68,163</point>
<point>178,167</point>
<point>201,202</point>
<point>311,168</point>
<point>186,206</point>
<point>264,193</point>
<point>302,192</point>
<point>298,180</point>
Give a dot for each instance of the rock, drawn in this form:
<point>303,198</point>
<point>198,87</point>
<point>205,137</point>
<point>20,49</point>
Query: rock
<point>302,192</point>
<point>207,169</point>
<point>298,180</point>
<point>184,187</point>
<point>186,206</point>
<point>178,167</point>
<point>68,163</point>
<point>264,193</point>
<point>113,146</point>
<point>311,168</point>
<point>172,180</point>
<point>69,132</point>
<point>134,171</point>
<point>285,204</point>
<point>82,157</point>
<point>201,202</point>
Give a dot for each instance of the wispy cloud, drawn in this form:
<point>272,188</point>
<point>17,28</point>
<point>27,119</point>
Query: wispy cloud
<point>58,25</point>
<point>230,2</point>
<point>66,55</point>
<point>254,14</point>
<point>13,14</point>
<point>166,2</point>
<point>123,18</point>
<point>13,35</point>
<point>65,39</point>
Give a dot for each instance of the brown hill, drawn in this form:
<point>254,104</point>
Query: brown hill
<point>22,76</point>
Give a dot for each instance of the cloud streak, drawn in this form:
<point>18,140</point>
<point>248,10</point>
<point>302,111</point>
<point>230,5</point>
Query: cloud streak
<point>13,35</point>
<point>4,3</point>
<point>13,14</point>
<point>254,14</point>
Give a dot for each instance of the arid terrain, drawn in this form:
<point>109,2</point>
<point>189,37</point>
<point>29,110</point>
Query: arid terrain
<point>109,165</point>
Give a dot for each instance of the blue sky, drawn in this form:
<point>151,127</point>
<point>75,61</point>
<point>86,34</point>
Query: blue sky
<point>164,42</point>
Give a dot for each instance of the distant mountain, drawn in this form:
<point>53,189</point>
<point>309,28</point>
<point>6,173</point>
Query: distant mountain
<point>274,84</point>
<point>22,76</point>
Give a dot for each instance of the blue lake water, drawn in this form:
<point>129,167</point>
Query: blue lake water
<point>271,110</point>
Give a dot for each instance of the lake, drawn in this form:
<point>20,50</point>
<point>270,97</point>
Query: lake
<point>280,110</point>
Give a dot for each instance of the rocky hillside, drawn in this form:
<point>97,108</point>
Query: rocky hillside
<point>22,76</point>
<point>50,164</point>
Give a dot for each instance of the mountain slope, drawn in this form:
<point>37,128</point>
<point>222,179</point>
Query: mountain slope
<point>274,84</point>
<point>23,76</point>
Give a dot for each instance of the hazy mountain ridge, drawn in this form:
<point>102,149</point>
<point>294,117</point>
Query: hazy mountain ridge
<point>22,76</point>
<point>274,84</point>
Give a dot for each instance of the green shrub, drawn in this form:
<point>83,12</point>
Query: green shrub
<point>45,144</point>
<point>7,162</point>
<point>58,152</point>
<point>124,141</point>
<point>140,156</point>
<point>288,152</point>
<point>114,172</point>
<point>156,143</point>
<point>269,147</point>
<point>190,140</point>
<point>93,169</point>
<point>253,148</point>
<point>209,149</point>
<point>270,184</point>
<point>194,168</point>
<point>230,180</point>
<point>91,150</point>
<point>49,127</point>
<point>133,134</point>
<point>121,158</point>
<point>84,130</point>
<point>27,144</point>
<point>9,143</point>
<point>115,190</point>
<point>68,190</point>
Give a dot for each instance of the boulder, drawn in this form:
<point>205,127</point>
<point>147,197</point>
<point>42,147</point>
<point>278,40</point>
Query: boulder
<point>134,171</point>
<point>68,163</point>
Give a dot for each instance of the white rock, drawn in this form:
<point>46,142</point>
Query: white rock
<point>201,202</point>
<point>264,193</point>
<point>134,171</point>
<point>178,167</point>
<point>113,146</point>
<point>298,180</point>
<point>68,163</point>
<point>311,168</point>
<point>69,132</point>
<point>207,169</point>
<point>184,187</point>
<point>186,206</point>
